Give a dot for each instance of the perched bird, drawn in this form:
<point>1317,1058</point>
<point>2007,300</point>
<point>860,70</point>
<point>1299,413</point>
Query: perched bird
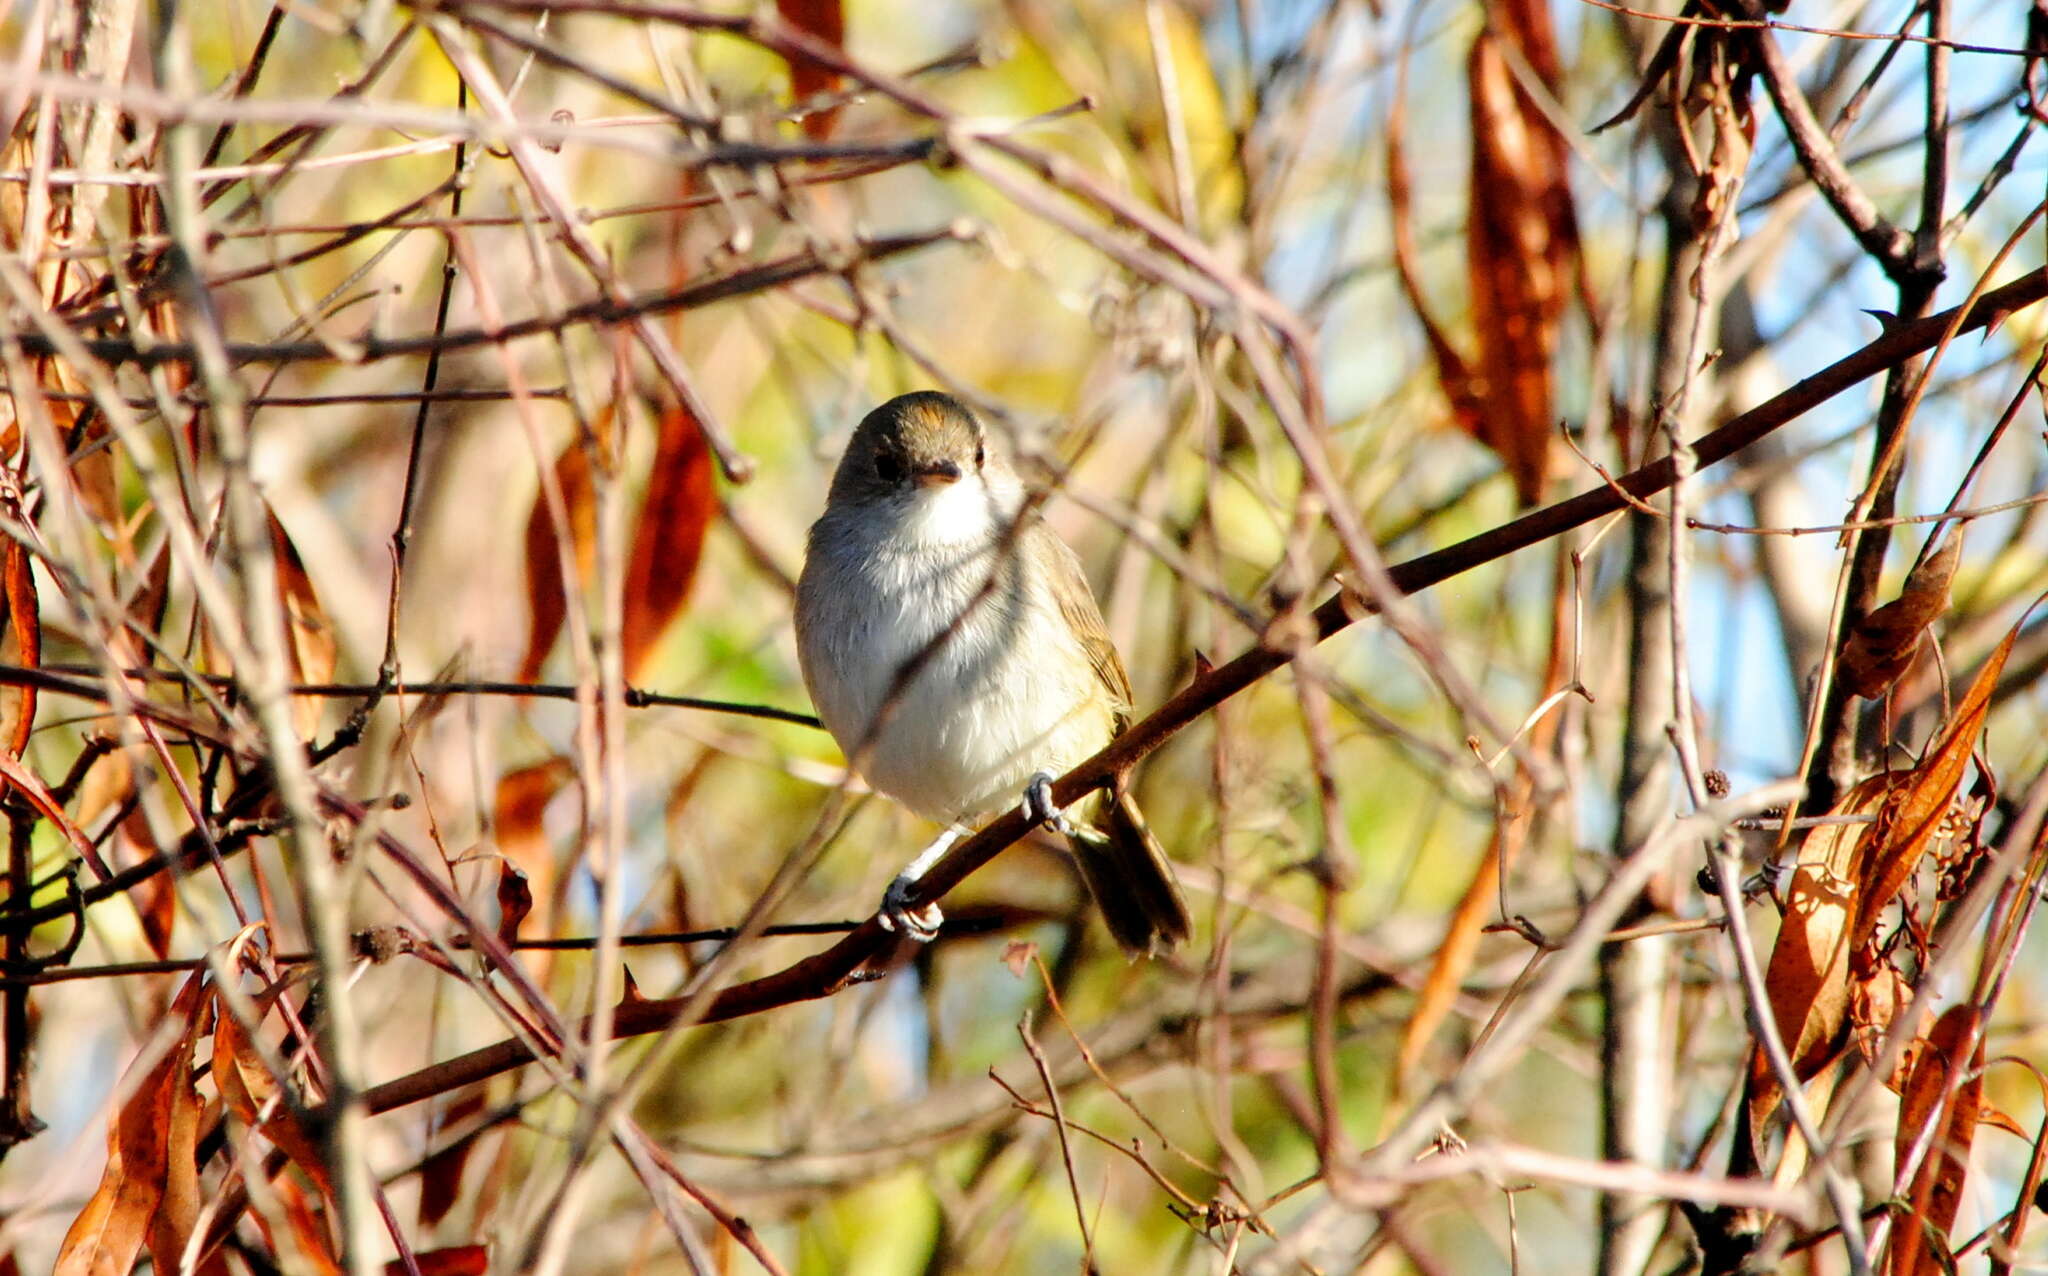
<point>953,648</point>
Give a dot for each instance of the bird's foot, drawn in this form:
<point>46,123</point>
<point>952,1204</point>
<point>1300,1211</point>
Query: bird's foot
<point>1039,808</point>
<point>896,914</point>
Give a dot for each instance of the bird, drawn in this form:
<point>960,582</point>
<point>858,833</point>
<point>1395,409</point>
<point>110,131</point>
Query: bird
<point>952,646</point>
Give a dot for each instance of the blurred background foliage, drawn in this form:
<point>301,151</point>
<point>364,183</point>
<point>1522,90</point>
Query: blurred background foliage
<point>863,1133</point>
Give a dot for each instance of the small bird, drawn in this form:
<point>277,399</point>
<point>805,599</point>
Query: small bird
<point>954,650</point>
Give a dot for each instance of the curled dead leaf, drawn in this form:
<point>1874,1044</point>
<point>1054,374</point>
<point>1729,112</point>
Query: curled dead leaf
<point>1920,806</point>
<point>1938,1113</point>
<point>1522,242</point>
<point>1882,646</point>
<point>144,1139</point>
<point>515,900</point>
<point>1808,975</point>
<point>21,643</point>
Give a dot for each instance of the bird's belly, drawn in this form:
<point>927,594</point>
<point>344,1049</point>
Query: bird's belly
<point>995,701</point>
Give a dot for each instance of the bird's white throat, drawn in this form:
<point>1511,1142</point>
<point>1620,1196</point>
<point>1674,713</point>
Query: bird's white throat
<point>950,515</point>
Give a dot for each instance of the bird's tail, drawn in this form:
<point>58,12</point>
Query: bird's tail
<point>1128,874</point>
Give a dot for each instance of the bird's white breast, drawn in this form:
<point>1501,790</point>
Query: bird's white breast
<point>922,613</point>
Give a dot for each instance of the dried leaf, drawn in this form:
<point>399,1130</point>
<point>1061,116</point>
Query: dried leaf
<point>250,1091</point>
<point>456,1260</point>
<point>546,597</point>
<point>1882,646</point>
<point>670,539</point>
<point>1460,946</point>
<point>309,637</point>
<point>1719,92</point>
<point>1918,805</point>
<point>120,1218</point>
<point>441,1172</point>
<point>1808,977</point>
<point>515,900</point>
<point>309,1234</point>
<point>38,795</point>
<point>1522,241</point>
<point>1018,955</point>
<point>21,643</point>
<point>521,803</point>
<point>1874,1002</point>
<point>177,1215</point>
<point>1939,1107</point>
<point>823,20</point>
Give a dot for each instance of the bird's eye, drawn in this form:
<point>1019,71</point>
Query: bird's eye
<point>888,468</point>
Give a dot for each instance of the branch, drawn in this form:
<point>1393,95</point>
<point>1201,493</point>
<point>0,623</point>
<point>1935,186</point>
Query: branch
<point>369,348</point>
<point>1892,247</point>
<point>861,956</point>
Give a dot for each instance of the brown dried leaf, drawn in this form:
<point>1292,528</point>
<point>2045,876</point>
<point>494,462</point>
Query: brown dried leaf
<point>456,1260</point>
<point>520,805</point>
<point>1914,811</point>
<point>546,598</point>
<point>1808,977</point>
<point>1874,1002</point>
<point>177,1215</point>
<point>441,1172</point>
<point>515,900</point>
<point>824,20</point>
<point>309,637</point>
<point>309,1234</point>
<point>1719,92</point>
<point>1460,946</point>
<point>1881,647</point>
<point>121,1217</point>
<point>21,643</point>
<point>1522,242</point>
<point>1939,1107</point>
<point>251,1092</point>
<point>670,539</point>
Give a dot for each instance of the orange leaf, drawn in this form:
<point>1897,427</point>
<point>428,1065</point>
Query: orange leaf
<point>1881,647</point>
<point>456,1260</point>
<point>670,539</point>
<point>1938,1109</point>
<point>309,638</point>
<point>111,1230</point>
<point>1808,976</point>
<point>21,644</point>
<point>178,1214</point>
<point>252,1093</point>
<point>1914,811</point>
<point>1522,243</point>
<point>521,803</point>
<point>546,597</point>
<point>308,1232</point>
<point>823,20</point>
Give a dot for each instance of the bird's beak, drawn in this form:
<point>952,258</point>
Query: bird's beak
<point>937,474</point>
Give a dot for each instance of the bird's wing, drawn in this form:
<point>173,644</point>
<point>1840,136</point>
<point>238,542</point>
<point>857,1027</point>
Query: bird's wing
<point>1077,604</point>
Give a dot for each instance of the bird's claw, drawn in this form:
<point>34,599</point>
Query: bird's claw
<point>1039,808</point>
<point>896,914</point>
